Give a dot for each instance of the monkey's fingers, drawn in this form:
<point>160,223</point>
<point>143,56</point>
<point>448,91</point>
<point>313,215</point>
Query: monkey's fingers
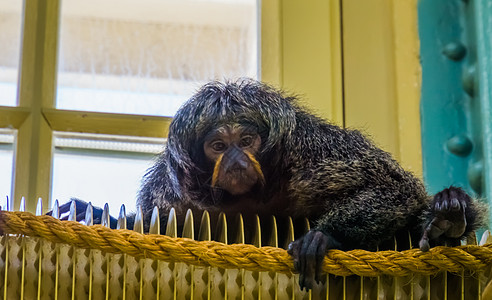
<point>308,259</point>
<point>450,205</point>
<point>311,254</point>
<point>320,255</point>
<point>293,250</point>
<point>298,250</point>
<point>435,229</point>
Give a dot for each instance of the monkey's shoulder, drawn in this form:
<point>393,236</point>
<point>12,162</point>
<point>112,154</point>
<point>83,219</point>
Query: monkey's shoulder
<point>320,138</point>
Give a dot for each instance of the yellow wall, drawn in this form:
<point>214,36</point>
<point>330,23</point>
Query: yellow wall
<point>355,63</point>
<point>301,52</point>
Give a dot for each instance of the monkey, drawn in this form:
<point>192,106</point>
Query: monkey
<point>246,147</point>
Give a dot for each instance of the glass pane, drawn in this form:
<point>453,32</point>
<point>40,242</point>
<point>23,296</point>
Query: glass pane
<point>101,170</point>
<point>147,56</point>
<point>10,35</point>
<point>6,165</point>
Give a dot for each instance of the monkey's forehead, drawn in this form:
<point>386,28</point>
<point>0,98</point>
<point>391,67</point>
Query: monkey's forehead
<point>232,129</point>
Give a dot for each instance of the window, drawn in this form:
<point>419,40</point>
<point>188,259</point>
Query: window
<point>94,105</point>
<point>10,33</point>
<point>101,168</point>
<point>147,57</point>
<point>6,164</point>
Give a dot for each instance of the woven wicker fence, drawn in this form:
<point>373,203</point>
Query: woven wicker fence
<point>214,258</point>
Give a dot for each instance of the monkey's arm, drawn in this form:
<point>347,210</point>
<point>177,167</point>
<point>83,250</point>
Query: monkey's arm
<point>356,202</point>
<point>373,216</point>
<point>362,220</point>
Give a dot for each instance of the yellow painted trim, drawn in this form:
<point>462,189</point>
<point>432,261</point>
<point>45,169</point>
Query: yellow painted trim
<point>301,52</point>
<point>33,158</point>
<point>33,164</point>
<point>13,117</point>
<point>311,43</point>
<point>50,54</point>
<point>369,83</point>
<point>107,123</point>
<point>271,42</point>
<point>336,63</point>
<point>382,75</point>
<point>408,74</point>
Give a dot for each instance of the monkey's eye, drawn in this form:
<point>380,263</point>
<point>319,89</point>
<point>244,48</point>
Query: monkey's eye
<point>246,141</point>
<point>218,146</point>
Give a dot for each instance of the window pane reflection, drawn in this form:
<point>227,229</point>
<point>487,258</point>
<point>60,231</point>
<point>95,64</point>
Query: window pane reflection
<point>7,138</point>
<point>147,57</point>
<point>101,169</point>
<point>10,35</point>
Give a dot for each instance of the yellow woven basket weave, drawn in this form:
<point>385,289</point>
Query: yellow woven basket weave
<point>42,257</point>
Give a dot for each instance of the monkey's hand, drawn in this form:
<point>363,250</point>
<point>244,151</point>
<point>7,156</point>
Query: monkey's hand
<point>448,218</point>
<point>308,253</point>
<point>80,208</point>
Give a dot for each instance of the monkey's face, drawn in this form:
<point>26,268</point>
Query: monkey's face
<point>231,151</point>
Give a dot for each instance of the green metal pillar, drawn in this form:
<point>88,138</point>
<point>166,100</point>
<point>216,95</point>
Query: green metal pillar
<point>456,55</point>
<point>483,27</point>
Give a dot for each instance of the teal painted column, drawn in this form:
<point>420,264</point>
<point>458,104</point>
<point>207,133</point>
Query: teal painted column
<point>483,25</point>
<point>456,56</point>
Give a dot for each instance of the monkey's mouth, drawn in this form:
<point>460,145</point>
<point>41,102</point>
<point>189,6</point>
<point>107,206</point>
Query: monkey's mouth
<point>238,181</point>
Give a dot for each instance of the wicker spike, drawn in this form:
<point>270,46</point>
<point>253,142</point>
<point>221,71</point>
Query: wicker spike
<point>105,216</point>
<point>189,225</point>
<point>238,230</point>
<point>138,226</point>
<point>89,220</point>
<point>172,224</point>
<point>221,229</point>
<point>7,205</point>
<point>257,233</point>
<point>22,206</point>
<point>39,207</point>
<point>121,224</point>
<point>205,232</point>
<point>273,234</point>
<point>72,214</point>
<point>155,222</point>
<point>486,238</point>
<point>290,233</point>
<point>55,210</point>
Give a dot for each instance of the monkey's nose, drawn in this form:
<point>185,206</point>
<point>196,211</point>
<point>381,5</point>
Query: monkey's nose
<point>243,164</point>
<point>239,165</point>
<point>235,159</point>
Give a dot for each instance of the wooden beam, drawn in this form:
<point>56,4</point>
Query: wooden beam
<point>107,123</point>
<point>13,117</point>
